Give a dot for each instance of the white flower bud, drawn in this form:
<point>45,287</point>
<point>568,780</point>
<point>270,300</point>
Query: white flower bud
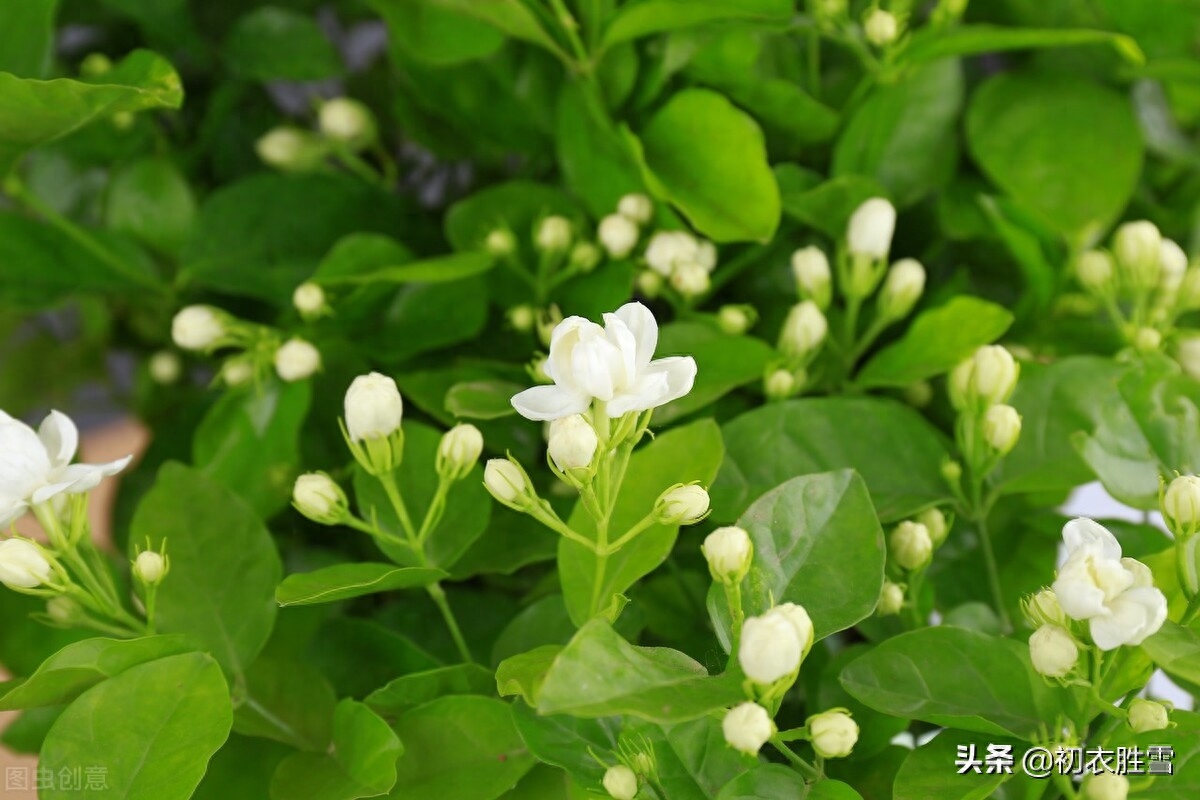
<point>618,235</point>
<point>1138,248</point>
<point>309,300</point>
<point>869,233</point>
<point>780,384</point>
<point>288,148</point>
<point>346,120</point>
<point>1188,355</point>
<point>547,321</point>
<point>804,331</point>
<point>64,611</point>
<point>237,372</point>
<point>729,552</point>
<point>522,318</point>
<point>1053,651</point>
<point>636,207</point>
<point>94,65</point>
<point>458,451</point>
<point>935,522</point>
<point>584,256</point>
<point>649,283</point>
<point>150,567</point>
<point>891,599</point>
<point>536,369</point>
<point>23,564</point>
<point>1095,270</point>
<point>951,471</point>
<point>621,782</point>
<point>296,360</point>
<point>810,267</point>
<point>690,279</point>
<point>198,328</point>
<point>1174,263</point>
<point>706,254</point>
<point>910,544</point>
<point>1106,786</point>
<point>1042,608</point>
<point>986,378</point>
<point>1181,505</point>
<point>770,648</point>
<point>833,733</point>
<point>1001,428</point>
<point>507,483</point>
<point>902,288</point>
<point>1147,715</point>
<point>735,320</point>
<point>801,623</point>
<point>1188,296</point>
<point>668,249</point>
<point>1147,340</point>
<point>316,496</point>
<point>683,504</point>
<point>747,727</point>
<point>165,367</point>
<point>553,234</point>
<point>500,242</point>
<point>881,27</point>
<point>373,407</point>
<point>573,442</point>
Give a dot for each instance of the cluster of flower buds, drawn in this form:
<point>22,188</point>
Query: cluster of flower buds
<point>637,766</point>
<point>206,329</point>
<point>1180,505</point>
<point>680,259</point>
<point>987,428</point>
<point>911,545</point>
<point>344,127</point>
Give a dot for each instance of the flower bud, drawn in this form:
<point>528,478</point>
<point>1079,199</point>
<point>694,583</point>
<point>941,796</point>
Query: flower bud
<point>64,611</point>
<point>690,279</point>
<point>881,27</point>
<point>735,320</point>
<point>508,483</point>
<point>1188,296</point>
<point>1147,340</point>
<point>1147,715</point>
<point>547,320</point>
<point>573,443</point>
<point>801,623</point>
<point>373,407</point>
<point>901,289</point>
<point>289,149</point>
<point>522,318</point>
<point>1181,505</point>
<point>553,234</point>
<point>833,733</point>
<point>770,648</point>
<point>747,727</point>
<point>649,284</point>
<point>23,564</point>
<point>348,121</point>
<point>198,328</point>
<point>1106,786</point>
<point>682,504</point>
<point>458,451</point>
<point>1138,248</point>
<point>729,552</point>
<point>780,384</point>
<point>891,599</point>
<point>165,367</point>
<point>1094,270</point>
<point>667,249</point>
<point>1187,353</point>
<point>935,522</point>
<point>316,496</point>
<point>706,254</point>
<point>237,372</point>
<point>919,394</point>
<point>584,256</point>
<point>618,235</point>
<point>636,207</point>
<point>94,65</point>
<point>810,267</point>
<point>1001,428</point>
<point>951,471</point>
<point>1042,608</point>
<point>621,782</point>
<point>986,378</point>
<point>869,233</point>
<point>500,242</point>
<point>150,567</point>
<point>296,360</point>
<point>1173,262</point>
<point>536,370</point>
<point>911,545</point>
<point>804,331</point>
<point>309,300</point>
<point>1053,651</point>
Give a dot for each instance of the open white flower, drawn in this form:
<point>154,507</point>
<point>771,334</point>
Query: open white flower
<point>35,467</point>
<point>1115,595</point>
<point>612,364</point>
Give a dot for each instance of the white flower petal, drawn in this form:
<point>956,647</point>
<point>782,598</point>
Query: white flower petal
<point>1153,604</point>
<point>1076,591</point>
<point>641,322</point>
<point>85,477</point>
<point>623,339</point>
<point>11,511</point>
<point>661,382</point>
<point>1142,576</point>
<point>1083,532</point>
<point>565,336</point>
<point>549,402</point>
<point>60,437</point>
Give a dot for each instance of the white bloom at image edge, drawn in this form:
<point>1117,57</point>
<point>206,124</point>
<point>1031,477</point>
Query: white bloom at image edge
<point>1115,595</point>
<point>613,364</point>
<point>35,467</point>
<point>22,565</point>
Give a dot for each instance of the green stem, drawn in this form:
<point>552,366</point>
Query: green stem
<point>434,514</point>
<point>642,524</point>
<point>607,500</point>
<point>733,599</point>
<point>806,769</point>
<point>545,515</point>
<point>355,163</point>
<point>1063,782</point>
<point>439,597</point>
<point>814,63</point>
<point>388,480</point>
<point>914,591</point>
<point>993,572</point>
<point>1192,611</point>
<point>571,28</point>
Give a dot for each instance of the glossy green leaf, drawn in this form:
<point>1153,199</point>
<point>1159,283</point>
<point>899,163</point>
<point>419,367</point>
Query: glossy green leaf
<point>359,254</point>
<point>709,159</point>
<point>510,16</point>
<point>522,675</point>
<point>361,761</point>
<point>164,746</point>
<point>453,267</point>
<point>151,200</point>
<point>482,399</point>
<point>79,666</point>
<point>682,455</point>
<point>694,760</point>
<point>273,43</point>
<point>243,767</point>
<point>435,33</point>
<point>929,770</point>
<point>288,702</point>
<point>27,37</point>
<point>459,748</point>
<point>817,543</point>
<point>596,164</point>
<point>646,17</point>
<point>827,207</point>
<point>936,342</point>
<point>930,44</point>
<point>567,741</point>
<point>723,363</point>
<point>344,581</point>
<point>224,567</point>
<point>876,730</point>
<point>409,691</point>
<point>765,782</point>
<point>1184,740</point>
<point>1176,650</point>
<point>896,452</point>
<point>517,205</point>
<point>652,683</point>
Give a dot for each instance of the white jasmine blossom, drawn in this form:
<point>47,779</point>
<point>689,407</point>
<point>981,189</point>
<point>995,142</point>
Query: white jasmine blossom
<point>621,782</point>
<point>23,565</point>
<point>198,328</point>
<point>729,552</point>
<point>810,268</point>
<point>373,407</point>
<point>618,235</point>
<point>296,360</point>
<point>833,733</point>
<point>636,207</point>
<point>869,234</point>
<point>1053,651</point>
<point>747,727</point>
<point>573,442</point>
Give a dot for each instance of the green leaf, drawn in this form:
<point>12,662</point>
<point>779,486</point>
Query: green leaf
<point>957,678</point>
<point>435,34</point>
<point>828,206</point>
<point>651,683</point>
<point>1184,781</point>
<point>723,363</point>
<point>509,16</point>
<point>156,750</point>
<point>361,762</point>
<point>646,17</point>
<point>904,135</point>
<point>34,112</point>
<point>459,748</point>
<point>784,108</point>
<point>517,205</point>
<point>77,667</point>
<point>272,43</point>
<point>243,767</point>
<point>765,782</point>
<point>929,44</point>
<point>344,581</point>
<point>694,760</point>
<point>816,543</point>
<point>596,164</point>
<point>224,568</point>
<point>286,701</point>
<point>567,742</point>
<point>419,688</point>
<point>482,399</point>
<point>893,448</point>
<point>151,200</point>
<point>1176,650</point>
<point>249,442</point>
<point>359,254</point>
<point>876,730</point>
<point>524,673</point>
<point>1064,147</point>
<point>708,158</point>
<point>682,455</point>
<point>453,267</point>
<point>936,342</point>
<point>27,37</point>
<point>928,771</point>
